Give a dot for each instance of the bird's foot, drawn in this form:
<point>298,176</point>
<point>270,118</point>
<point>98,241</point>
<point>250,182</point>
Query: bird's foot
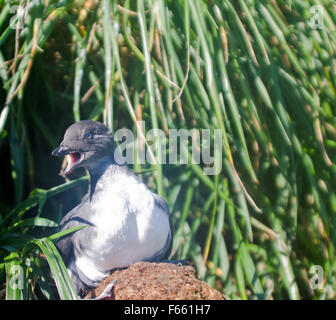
<point>106,293</point>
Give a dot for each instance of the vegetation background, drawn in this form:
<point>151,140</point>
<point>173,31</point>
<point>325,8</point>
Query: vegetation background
<point>264,72</point>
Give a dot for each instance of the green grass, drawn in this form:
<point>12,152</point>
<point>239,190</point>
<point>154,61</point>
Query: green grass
<point>257,70</point>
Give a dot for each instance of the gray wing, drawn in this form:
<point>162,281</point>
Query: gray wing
<point>71,246</point>
<point>76,217</point>
<point>165,251</point>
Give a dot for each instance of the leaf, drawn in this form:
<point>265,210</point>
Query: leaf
<point>16,282</point>
<point>62,279</point>
<point>65,232</point>
<point>20,209</point>
<point>37,222</point>
<point>37,197</point>
<point>42,196</point>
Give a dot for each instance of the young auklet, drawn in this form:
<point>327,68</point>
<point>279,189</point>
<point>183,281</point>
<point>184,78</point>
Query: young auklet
<point>126,222</point>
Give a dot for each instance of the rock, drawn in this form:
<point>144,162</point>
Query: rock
<point>156,281</point>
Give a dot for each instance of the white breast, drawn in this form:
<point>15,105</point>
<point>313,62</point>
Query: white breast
<point>129,227</point>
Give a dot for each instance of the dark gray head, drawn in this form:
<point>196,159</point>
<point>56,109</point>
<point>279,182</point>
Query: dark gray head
<point>86,143</point>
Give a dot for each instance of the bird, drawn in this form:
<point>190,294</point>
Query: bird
<point>125,222</point>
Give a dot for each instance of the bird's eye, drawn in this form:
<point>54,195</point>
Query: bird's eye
<point>89,135</point>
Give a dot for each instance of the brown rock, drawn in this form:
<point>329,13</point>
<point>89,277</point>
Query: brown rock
<point>156,281</point>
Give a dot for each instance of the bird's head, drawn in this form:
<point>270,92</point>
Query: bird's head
<point>85,144</point>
